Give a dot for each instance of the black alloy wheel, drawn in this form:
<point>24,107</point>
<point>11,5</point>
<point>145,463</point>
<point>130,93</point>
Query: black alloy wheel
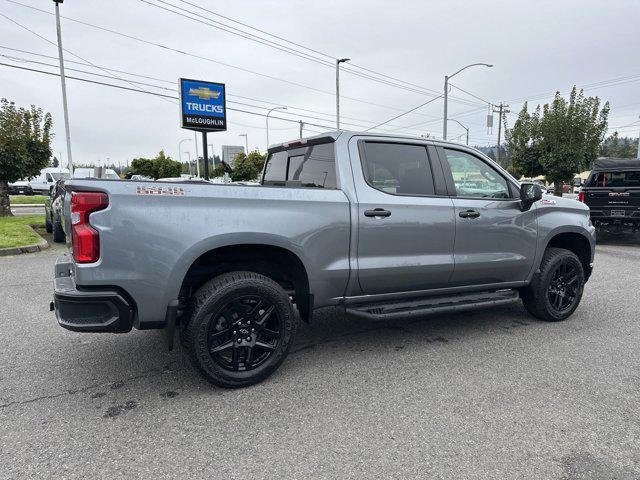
<point>239,328</point>
<point>556,288</point>
<point>244,333</point>
<point>563,287</point>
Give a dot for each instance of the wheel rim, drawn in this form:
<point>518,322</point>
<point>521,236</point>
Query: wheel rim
<point>564,286</point>
<point>244,333</point>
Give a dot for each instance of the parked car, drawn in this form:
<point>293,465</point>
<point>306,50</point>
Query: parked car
<point>46,179</point>
<point>53,212</point>
<point>369,223</point>
<point>612,192</point>
<point>21,187</point>
<point>95,172</point>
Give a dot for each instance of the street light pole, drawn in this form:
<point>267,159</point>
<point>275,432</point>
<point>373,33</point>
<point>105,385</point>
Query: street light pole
<point>195,141</point>
<point>180,150</point>
<point>246,142</point>
<point>446,94</point>
<point>466,129</point>
<point>64,87</point>
<point>338,62</point>
<point>274,108</point>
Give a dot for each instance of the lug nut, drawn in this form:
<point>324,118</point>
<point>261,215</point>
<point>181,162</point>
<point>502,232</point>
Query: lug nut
<point>239,340</point>
<point>253,329</point>
<point>248,339</point>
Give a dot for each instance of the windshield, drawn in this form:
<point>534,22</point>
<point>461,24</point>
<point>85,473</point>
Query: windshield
<point>615,179</point>
<point>58,176</point>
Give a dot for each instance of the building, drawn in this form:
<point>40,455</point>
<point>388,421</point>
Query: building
<point>229,153</point>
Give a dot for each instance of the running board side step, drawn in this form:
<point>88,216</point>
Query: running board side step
<point>417,307</point>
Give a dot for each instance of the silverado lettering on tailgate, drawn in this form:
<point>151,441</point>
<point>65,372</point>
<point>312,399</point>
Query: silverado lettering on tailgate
<point>144,190</point>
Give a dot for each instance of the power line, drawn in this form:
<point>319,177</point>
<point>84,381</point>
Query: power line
<point>152,93</point>
<point>171,82</point>
<point>249,36</point>
<point>23,60</point>
<point>332,57</point>
<point>470,94</point>
<point>403,114</point>
<point>200,57</point>
<point>64,49</point>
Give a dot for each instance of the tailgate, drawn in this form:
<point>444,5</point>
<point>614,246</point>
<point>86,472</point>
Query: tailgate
<point>613,202</point>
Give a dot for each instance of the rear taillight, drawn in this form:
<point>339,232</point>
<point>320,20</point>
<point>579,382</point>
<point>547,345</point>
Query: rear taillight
<point>581,196</point>
<point>84,238</point>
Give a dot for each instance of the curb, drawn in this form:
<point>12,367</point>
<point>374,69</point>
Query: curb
<point>36,247</point>
<point>27,205</point>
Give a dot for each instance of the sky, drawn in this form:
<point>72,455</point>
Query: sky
<point>536,48</point>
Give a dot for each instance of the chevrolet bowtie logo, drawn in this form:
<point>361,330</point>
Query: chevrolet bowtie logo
<point>204,93</point>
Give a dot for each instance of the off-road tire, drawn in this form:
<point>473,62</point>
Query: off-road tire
<point>58,232</point>
<point>535,296</point>
<point>205,308</point>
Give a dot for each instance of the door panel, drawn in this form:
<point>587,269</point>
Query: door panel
<point>497,246</point>
<point>412,247</point>
<point>495,241</point>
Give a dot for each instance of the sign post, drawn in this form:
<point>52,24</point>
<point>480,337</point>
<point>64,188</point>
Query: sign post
<point>203,108</point>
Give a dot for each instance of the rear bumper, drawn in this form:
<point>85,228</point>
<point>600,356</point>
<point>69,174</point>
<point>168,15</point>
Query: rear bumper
<point>104,310</point>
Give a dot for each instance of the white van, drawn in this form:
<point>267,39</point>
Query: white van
<point>94,172</point>
<point>44,182</point>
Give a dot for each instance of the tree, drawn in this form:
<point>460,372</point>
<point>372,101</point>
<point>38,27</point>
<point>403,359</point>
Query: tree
<point>558,140</point>
<point>247,167</point>
<point>614,146</point>
<point>161,166</point>
<point>54,162</point>
<point>25,146</point>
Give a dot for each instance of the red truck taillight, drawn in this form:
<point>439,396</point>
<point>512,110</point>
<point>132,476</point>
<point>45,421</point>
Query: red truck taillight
<point>581,196</point>
<point>84,238</point>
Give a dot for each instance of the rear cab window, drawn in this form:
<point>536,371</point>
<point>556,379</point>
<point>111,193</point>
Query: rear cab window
<point>312,166</point>
<point>615,179</point>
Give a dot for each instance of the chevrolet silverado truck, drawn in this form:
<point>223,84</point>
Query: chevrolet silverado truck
<point>612,192</point>
<point>383,227</point>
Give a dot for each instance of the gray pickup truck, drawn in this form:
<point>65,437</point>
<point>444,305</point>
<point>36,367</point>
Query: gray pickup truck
<point>384,227</point>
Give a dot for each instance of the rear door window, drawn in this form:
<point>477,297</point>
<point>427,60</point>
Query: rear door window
<point>313,167</point>
<point>398,168</point>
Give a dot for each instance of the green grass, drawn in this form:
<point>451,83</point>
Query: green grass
<point>22,199</point>
<point>14,231</point>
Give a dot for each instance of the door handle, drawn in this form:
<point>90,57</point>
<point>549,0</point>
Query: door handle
<point>377,212</point>
<point>469,214</point>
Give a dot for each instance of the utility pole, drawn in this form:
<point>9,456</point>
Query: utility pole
<point>338,62</point>
<point>502,108</point>
<point>301,127</point>
<point>64,87</point>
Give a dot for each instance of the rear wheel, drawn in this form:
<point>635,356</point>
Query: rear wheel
<point>47,224</point>
<point>58,232</point>
<point>240,329</point>
<point>556,290</point>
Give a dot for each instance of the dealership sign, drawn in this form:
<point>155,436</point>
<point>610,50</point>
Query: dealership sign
<point>203,105</point>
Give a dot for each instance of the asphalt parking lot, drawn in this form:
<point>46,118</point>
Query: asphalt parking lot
<point>488,394</point>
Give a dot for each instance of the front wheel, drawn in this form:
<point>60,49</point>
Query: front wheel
<point>556,290</point>
<point>240,329</point>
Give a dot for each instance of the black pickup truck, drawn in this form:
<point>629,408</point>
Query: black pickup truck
<point>612,192</point>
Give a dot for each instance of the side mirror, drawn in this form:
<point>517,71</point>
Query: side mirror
<point>529,193</point>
